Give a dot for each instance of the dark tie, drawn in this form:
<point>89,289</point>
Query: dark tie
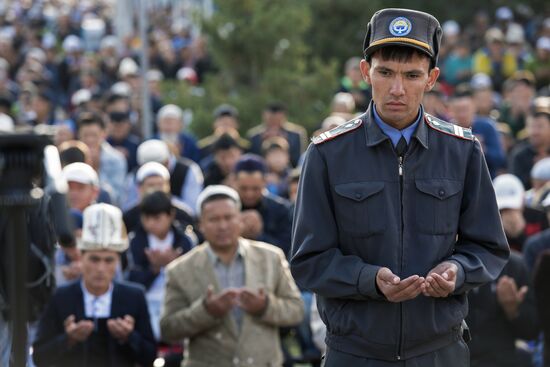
<point>401,147</point>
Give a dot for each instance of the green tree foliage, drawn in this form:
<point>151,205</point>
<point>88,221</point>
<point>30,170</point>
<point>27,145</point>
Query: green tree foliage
<point>260,51</point>
<point>339,27</point>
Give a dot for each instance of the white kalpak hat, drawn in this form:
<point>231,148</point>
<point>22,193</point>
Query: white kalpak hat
<point>103,229</point>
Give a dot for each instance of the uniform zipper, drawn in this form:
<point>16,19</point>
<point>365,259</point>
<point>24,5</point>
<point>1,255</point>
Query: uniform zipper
<point>401,183</point>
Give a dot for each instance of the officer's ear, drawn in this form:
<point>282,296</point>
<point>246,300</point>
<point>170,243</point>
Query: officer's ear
<point>432,79</point>
<point>364,65</point>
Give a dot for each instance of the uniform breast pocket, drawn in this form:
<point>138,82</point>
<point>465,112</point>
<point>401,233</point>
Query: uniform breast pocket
<point>360,209</point>
<point>437,205</point>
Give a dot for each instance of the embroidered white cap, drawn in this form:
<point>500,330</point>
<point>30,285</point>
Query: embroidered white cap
<point>103,229</point>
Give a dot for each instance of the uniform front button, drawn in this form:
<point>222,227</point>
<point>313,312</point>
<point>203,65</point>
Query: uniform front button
<point>441,192</point>
<point>358,195</point>
<point>250,360</point>
<point>218,335</point>
<point>235,361</point>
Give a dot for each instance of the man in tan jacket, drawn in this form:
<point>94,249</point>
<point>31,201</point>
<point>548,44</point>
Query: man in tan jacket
<point>229,296</point>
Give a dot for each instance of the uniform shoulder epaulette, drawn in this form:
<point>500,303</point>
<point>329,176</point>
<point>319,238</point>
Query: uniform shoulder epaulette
<point>448,128</point>
<point>337,131</point>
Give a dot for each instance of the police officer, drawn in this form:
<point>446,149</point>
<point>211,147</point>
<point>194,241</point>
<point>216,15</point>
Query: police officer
<point>396,217</point>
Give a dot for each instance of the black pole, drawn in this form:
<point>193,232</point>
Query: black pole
<point>21,162</point>
<point>17,236</point>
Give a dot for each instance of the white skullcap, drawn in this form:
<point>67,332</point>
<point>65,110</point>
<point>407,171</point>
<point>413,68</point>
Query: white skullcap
<point>121,89</point>
<point>187,73</point>
<point>151,169</point>
<point>480,81</point>
<point>127,67</point>
<point>543,43</point>
<point>213,190</point>
<point>504,13</point>
<point>509,192</point>
<point>541,170</point>
<point>153,150</point>
<point>515,34</point>
<point>154,75</point>
<point>72,43</point>
<point>103,229</point>
<point>450,28</point>
<point>108,42</point>
<point>6,123</point>
<point>37,54</point>
<point>81,96</point>
<point>170,110</point>
<point>82,173</point>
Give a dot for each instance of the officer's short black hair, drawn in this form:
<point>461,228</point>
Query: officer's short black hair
<point>155,203</point>
<point>399,54</point>
<point>88,118</point>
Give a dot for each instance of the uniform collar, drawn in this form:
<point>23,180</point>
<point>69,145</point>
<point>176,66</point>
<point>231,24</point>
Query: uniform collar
<point>393,133</point>
<point>375,135</point>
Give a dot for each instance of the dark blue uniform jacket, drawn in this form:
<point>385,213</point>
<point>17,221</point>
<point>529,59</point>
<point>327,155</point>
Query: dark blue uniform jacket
<point>355,214</point>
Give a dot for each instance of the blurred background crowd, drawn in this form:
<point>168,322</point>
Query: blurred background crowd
<point>230,93</point>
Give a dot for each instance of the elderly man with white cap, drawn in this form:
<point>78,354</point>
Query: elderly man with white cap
<point>230,295</point>
<point>83,185</point>
<point>170,124</point>
<point>186,178</point>
<point>96,321</point>
<point>153,176</point>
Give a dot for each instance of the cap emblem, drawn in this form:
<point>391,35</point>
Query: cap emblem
<point>400,27</point>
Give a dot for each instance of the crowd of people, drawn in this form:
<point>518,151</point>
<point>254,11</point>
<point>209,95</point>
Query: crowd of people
<point>62,66</point>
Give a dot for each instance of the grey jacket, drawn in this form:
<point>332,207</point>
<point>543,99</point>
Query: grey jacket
<point>355,214</point>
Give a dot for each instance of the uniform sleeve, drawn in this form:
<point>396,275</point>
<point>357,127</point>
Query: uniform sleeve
<point>317,262</point>
<point>481,249</point>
